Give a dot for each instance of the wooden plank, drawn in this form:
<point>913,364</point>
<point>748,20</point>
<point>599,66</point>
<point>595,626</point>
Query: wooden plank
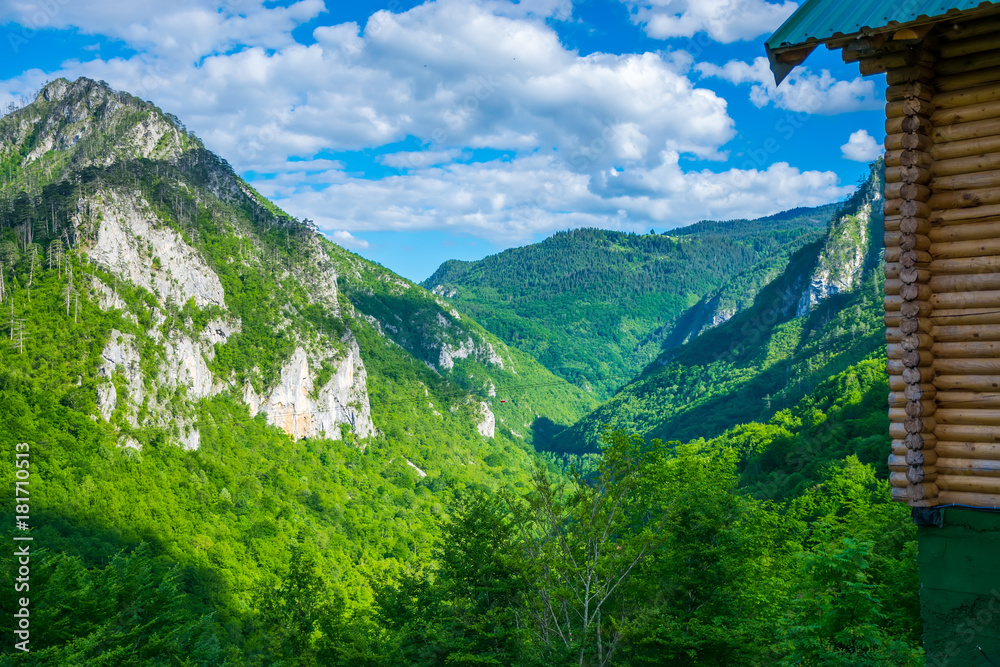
<point>972,499</point>
<point>946,334</point>
<point>979,451</point>
<point>980,351</point>
<point>988,228</point>
<point>964,199</point>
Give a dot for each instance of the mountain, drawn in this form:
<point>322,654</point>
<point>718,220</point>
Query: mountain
<point>821,315</point>
<point>237,444</point>
<point>202,374</point>
<point>596,306</point>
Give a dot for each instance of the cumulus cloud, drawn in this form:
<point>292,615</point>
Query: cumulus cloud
<point>801,91</point>
<point>347,239</point>
<point>592,140</point>
<point>724,21</point>
<point>861,147</point>
<point>512,201</point>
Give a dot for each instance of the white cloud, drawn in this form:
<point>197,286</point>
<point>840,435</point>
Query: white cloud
<point>800,91</point>
<point>347,239</point>
<point>724,21</point>
<point>861,147</point>
<point>592,140</point>
<point>511,202</point>
<point>416,159</point>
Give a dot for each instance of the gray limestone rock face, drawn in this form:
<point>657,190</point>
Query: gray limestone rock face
<point>128,240</point>
<point>488,422</point>
<point>292,406</point>
<point>119,353</point>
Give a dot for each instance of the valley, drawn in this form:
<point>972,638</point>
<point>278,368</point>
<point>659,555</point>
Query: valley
<point>252,446</point>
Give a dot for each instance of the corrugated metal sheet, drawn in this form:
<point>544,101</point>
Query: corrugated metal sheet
<point>819,20</point>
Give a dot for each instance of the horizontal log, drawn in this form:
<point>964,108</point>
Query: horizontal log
<point>907,325</point>
<point>910,358</point>
<point>920,424</point>
<point>918,375</point>
<point>921,175</point>
<point>967,433</point>
<point>972,248</point>
<point>970,416</point>
<point>896,383</point>
<point>921,474</point>
<point>964,198</point>
<point>979,77</point>
<point>967,97</point>
<point>979,451</point>
<point>909,75</point>
<point>964,47</point>
<point>906,141</point>
<point>909,341</point>
<point>978,349</point>
<point>968,483</point>
<point>966,63</point>
<point>898,463</point>
<point>956,34</point>
<point>920,392</point>
<point>968,148</point>
<point>917,409</point>
<point>966,316</point>
<point>919,124</point>
<point>902,190</point>
<point>967,382</point>
<point>966,114</point>
<point>975,367</point>
<point>910,106</point>
<point>897,399</point>
<point>967,467</point>
<point>907,241</point>
<point>971,499</point>
<point>988,228</point>
<point>958,333</point>
<point>965,216</point>
<point>896,303</point>
<point>898,480</point>
<point>917,457</point>
<point>921,491</point>
<point>963,283</point>
<point>915,90</point>
<point>986,299</point>
<point>915,292</point>
<point>976,129</point>
<point>920,258</point>
<point>952,399</point>
<point>918,442</point>
<point>968,181</point>
<point>965,165</point>
<point>898,495</point>
<point>907,274</point>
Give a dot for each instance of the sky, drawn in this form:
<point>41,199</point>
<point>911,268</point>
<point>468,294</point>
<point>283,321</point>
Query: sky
<point>413,133</point>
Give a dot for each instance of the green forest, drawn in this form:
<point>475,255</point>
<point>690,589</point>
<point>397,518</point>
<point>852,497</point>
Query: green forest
<point>498,513</point>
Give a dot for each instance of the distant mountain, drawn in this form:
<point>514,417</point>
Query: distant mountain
<point>596,306</point>
<point>200,373</point>
<point>820,315</point>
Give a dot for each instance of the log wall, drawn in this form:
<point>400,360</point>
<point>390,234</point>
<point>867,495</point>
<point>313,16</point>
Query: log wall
<point>942,253</point>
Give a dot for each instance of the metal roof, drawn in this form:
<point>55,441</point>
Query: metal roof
<point>818,21</point>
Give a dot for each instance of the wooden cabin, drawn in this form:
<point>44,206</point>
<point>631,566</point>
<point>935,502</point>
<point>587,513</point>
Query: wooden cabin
<point>941,61</point>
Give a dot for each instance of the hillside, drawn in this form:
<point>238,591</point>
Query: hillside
<point>244,446</point>
<point>201,374</point>
<point>819,316</point>
<point>596,306</point>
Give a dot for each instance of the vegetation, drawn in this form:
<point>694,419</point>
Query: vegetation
<point>595,306</point>
<point>755,542</point>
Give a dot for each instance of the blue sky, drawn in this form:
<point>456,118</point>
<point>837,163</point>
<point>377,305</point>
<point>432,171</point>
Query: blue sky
<point>413,133</point>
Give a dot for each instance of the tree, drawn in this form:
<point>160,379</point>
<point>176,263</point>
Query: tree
<point>582,542</point>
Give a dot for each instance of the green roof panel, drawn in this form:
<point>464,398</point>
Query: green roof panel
<point>820,20</point>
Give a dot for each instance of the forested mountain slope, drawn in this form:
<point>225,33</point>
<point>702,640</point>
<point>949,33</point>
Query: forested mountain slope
<point>199,372</point>
<point>596,306</point>
<point>819,316</point>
